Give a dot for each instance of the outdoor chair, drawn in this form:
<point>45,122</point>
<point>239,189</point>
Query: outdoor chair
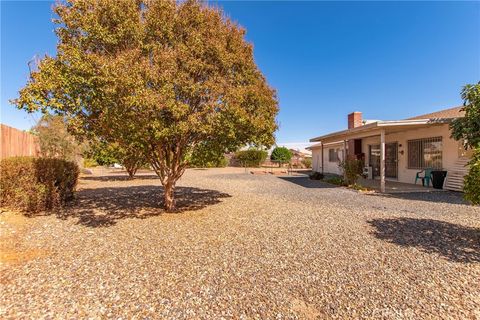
<point>425,177</point>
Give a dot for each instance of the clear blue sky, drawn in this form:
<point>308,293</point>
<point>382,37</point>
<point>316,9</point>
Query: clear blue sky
<point>390,60</point>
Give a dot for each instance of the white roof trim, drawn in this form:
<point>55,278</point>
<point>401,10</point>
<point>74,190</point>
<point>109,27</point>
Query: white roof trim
<point>382,124</point>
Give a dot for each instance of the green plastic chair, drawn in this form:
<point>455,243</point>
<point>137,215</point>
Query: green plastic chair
<point>426,177</point>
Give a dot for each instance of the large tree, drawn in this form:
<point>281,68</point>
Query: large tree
<point>166,76</point>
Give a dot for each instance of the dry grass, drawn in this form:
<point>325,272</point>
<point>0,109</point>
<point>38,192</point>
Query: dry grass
<point>249,247</point>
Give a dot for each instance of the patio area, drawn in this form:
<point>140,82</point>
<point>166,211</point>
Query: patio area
<point>397,187</point>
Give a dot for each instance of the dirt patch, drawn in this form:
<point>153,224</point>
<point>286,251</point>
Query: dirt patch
<point>13,227</point>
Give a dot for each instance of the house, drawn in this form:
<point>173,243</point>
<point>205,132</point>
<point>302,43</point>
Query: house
<point>395,150</point>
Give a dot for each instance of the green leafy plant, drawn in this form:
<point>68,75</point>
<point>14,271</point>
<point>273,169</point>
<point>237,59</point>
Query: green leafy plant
<point>162,75</point>
<point>281,154</point>
<point>37,184</point>
<point>251,157</point>
<point>467,129</point>
<point>352,169</point>
<point>335,180</point>
<point>472,179</point>
<point>208,156</point>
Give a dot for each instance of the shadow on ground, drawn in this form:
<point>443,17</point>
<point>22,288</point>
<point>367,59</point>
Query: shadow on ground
<point>120,177</point>
<point>102,207</point>
<point>306,182</point>
<point>454,242</point>
<point>439,196</point>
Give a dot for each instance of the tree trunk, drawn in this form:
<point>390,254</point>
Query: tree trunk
<point>169,197</point>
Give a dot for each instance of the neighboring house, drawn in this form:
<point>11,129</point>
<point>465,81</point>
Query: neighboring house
<point>409,146</point>
<point>298,157</point>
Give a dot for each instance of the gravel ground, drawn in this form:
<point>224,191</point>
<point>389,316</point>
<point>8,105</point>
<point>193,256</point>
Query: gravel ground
<point>246,247</point>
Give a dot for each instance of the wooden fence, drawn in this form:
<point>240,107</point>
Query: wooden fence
<point>15,142</point>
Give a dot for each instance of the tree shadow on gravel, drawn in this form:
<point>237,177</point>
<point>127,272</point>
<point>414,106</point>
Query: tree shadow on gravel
<point>103,207</point>
<point>455,242</point>
<point>450,197</point>
<point>120,177</point>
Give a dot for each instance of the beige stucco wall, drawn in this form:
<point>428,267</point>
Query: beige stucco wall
<point>330,167</point>
<point>450,147</point>
<point>451,150</point>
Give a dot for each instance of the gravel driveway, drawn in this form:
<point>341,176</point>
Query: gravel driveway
<point>245,247</point>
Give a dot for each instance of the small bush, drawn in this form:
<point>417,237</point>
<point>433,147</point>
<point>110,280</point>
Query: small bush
<point>37,184</point>
<point>307,162</point>
<point>352,169</point>
<point>336,180</point>
<point>251,158</point>
<point>472,179</point>
<point>316,176</point>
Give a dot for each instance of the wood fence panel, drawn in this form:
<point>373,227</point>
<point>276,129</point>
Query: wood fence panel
<point>15,143</point>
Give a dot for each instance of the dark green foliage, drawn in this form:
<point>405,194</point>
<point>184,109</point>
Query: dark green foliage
<point>208,156</point>
<point>251,157</point>
<point>102,153</point>
<point>336,180</point>
<point>352,169</point>
<point>37,184</point>
<point>468,128</point>
<point>472,179</point>
<point>316,176</point>
<point>281,154</point>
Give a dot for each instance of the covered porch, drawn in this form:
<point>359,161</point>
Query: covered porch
<point>392,186</point>
<point>385,144</point>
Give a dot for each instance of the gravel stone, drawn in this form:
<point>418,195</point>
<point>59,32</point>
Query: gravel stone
<point>245,246</point>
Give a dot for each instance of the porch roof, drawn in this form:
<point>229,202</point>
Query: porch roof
<point>375,128</point>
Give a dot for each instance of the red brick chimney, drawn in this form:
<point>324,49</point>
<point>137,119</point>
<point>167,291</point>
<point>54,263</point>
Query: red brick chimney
<point>354,120</point>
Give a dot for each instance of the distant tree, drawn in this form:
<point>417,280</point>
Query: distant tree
<point>207,156</point>
<point>467,129</point>
<point>281,154</point>
<point>105,153</point>
<point>54,139</point>
<point>163,75</point>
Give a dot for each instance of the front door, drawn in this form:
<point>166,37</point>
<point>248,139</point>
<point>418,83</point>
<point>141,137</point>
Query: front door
<point>391,159</point>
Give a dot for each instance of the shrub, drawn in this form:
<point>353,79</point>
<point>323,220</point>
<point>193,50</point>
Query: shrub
<point>316,176</point>
<point>352,169</point>
<point>472,179</point>
<point>336,180</point>
<point>307,162</point>
<point>37,184</point>
<point>281,154</point>
<point>251,157</point>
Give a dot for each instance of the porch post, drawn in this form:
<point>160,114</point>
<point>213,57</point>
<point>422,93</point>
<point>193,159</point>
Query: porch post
<point>382,161</point>
<point>344,157</point>
<point>322,158</point>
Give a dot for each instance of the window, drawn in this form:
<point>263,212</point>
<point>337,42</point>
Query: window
<point>333,155</point>
<point>425,153</point>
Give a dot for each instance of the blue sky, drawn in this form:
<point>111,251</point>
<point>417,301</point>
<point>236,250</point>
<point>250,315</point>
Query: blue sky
<point>390,60</point>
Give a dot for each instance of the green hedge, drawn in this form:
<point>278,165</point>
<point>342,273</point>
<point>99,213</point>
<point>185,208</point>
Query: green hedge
<point>251,158</point>
<point>36,184</point>
<point>472,179</point>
